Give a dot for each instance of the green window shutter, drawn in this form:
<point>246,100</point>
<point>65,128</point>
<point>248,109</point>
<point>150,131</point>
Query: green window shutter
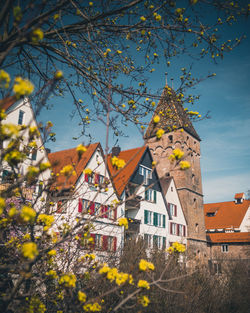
<point>145,217</point>
<point>154,196</point>
<point>155,241</point>
<point>164,243</point>
<point>164,221</point>
<point>146,194</point>
<point>155,219</point>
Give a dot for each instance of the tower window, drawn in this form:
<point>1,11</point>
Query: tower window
<point>196,227</point>
<point>170,137</point>
<point>20,117</point>
<point>224,248</point>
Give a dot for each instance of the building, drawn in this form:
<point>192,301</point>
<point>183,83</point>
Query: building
<point>180,133</point>
<point>82,191</point>
<point>143,200</point>
<point>228,228</point>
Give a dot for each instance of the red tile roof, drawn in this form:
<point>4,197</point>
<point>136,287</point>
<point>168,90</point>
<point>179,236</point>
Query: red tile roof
<point>7,102</point>
<point>121,177</point>
<point>239,195</point>
<point>62,158</point>
<point>229,237</point>
<point>229,214</point>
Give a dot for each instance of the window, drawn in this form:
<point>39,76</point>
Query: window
<point>33,155</point>
<point>97,208</point>
<point>6,176</point>
<point>196,227</point>
<point>172,209</point>
<point>98,241</point>
<point>150,195</point>
<point>173,229</point>
<point>112,213</point>
<point>157,242</point>
<point>148,240</point>
<point>20,117</point>
<point>182,230</point>
<point>153,218</point>
<point>224,248</point>
<point>146,173</point>
<point>111,243</point>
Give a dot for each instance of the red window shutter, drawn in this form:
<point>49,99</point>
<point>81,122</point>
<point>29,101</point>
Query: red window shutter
<point>97,178</point>
<point>175,210</point>
<point>115,243</point>
<point>115,214</point>
<point>184,230</point>
<point>178,229</point>
<point>171,228</point>
<point>86,177</point>
<point>104,243</point>
<point>106,211</point>
<point>102,211</point>
<point>80,205</point>
<point>92,208</point>
<point>59,207</point>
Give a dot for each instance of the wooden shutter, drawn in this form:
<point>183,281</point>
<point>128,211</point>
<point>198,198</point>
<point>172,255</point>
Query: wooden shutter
<point>146,194</point>
<point>114,243</point>
<point>171,228</point>
<point>105,211</point>
<point>105,243</point>
<point>92,208</point>
<point>164,221</point>
<point>97,179</point>
<point>145,217</point>
<point>178,229</point>
<point>175,210</point>
<point>163,242</point>
<point>86,177</point>
<point>184,231</point>
<point>115,214</point>
<point>154,196</point>
<point>80,205</point>
<point>155,219</point>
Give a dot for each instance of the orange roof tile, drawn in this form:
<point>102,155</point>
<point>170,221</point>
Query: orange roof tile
<point>229,237</point>
<point>229,214</point>
<point>62,158</point>
<point>121,177</point>
<point>239,195</point>
<point>7,102</point>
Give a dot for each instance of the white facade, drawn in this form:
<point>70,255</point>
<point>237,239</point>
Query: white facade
<point>245,224</point>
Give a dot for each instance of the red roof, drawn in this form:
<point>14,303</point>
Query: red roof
<point>228,214</point>
<point>62,158</point>
<point>7,102</point>
<point>121,177</point>
<point>229,237</point>
<point>239,195</point>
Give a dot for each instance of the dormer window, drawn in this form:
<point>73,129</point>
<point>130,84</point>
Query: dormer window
<point>146,173</point>
<point>20,117</point>
<point>239,198</point>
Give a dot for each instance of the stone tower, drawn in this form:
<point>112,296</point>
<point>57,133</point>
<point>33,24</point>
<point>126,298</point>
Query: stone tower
<point>180,133</point>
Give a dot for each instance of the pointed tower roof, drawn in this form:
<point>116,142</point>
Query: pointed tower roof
<point>172,115</point>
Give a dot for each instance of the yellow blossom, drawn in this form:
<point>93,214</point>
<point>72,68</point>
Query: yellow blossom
<point>159,133</point>
<point>29,250</point>
<point>17,13</point>
<point>144,301</point>
<point>58,75</point>
<point>95,307</point>
<point>2,205</point>
<point>178,154</point>
<point>82,296</point>
<point>119,51</point>
<point>104,269</point>
<point>69,280</point>
<point>122,221</point>
<point>44,166</point>
<point>90,4</point>
<point>156,119</point>
<point>56,16</point>
<point>22,87</point>
<point>153,163</point>
<point>88,171</point>
<point>12,212</point>
<point>145,265</point>
<point>143,284</point>
<point>68,170</point>
<point>121,278</point>
<point>32,171</point>
<point>143,18</point>
<point>184,165</point>
<point>51,273</point>
<point>28,214</point>
<point>81,149</point>
<point>4,79</point>
<point>118,163</point>
<point>37,35</point>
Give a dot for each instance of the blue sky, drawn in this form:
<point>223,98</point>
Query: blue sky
<point>225,145</point>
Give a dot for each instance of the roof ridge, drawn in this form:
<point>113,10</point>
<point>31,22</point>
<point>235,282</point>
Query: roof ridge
<point>96,143</point>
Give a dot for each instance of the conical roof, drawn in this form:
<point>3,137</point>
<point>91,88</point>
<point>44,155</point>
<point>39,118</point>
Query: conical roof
<point>172,116</point>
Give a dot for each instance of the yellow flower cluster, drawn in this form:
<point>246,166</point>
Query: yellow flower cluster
<point>29,250</point>
<point>157,17</point>
<point>95,307</point>
<point>69,280</point>
<point>52,273</point>
<point>68,170</point>
<point>37,35</point>
<point>144,301</point>
<point>52,252</point>
<point>82,296</point>
<point>88,171</point>
<point>2,205</point>
<point>22,87</point>
<point>184,165</point>
<point>156,119</point>
<point>58,75</point>
<point>113,275</point>
<point>118,163</point>
<point>44,166</point>
<point>4,79</point>
<point>143,284</point>
<point>17,13</point>
<point>9,130</point>
<point>145,265</point>
<point>14,157</point>
<point>81,149</point>
<point>122,221</point>
<point>176,155</point>
<point>28,214</point>
<point>32,172</point>
<point>159,133</point>
<point>176,247</point>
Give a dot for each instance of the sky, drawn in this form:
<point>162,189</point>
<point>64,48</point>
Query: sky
<point>225,145</point>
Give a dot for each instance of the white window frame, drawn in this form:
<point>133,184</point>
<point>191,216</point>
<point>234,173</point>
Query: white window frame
<point>150,218</point>
<point>146,173</point>
<point>174,229</point>
<point>224,248</point>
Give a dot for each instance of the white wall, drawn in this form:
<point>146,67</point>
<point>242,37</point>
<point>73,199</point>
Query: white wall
<point>245,224</point>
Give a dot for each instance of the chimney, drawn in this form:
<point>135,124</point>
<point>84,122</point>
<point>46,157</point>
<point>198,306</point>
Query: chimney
<point>116,151</point>
<point>239,197</point>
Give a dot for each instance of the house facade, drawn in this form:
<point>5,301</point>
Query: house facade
<point>228,228</point>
